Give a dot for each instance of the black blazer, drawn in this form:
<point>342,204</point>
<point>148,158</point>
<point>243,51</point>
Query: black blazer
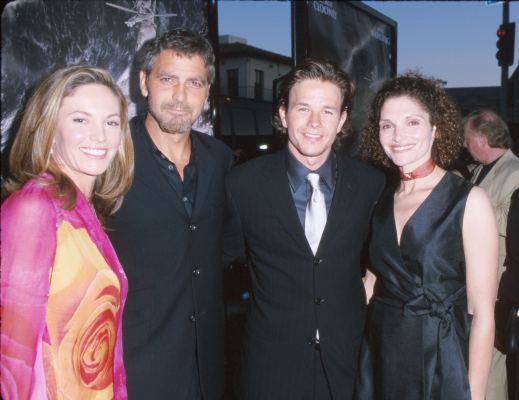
<point>174,310</point>
<point>509,285</point>
<point>294,293</point>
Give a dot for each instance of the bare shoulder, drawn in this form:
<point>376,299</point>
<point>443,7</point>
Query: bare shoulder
<point>479,215</point>
<point>478,200</point>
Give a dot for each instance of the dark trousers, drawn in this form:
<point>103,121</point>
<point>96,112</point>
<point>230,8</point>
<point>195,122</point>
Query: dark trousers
<point>195,392</point>
<point>321,387</point>
<point>512,375</point>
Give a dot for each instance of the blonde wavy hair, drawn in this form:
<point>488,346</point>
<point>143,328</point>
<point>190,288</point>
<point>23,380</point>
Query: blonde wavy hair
<point>31,153</point>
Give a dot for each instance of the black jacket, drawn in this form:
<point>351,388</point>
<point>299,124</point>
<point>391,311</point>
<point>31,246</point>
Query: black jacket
<point>509,285</point>
<point>294,293</point>
<point>174,310</point>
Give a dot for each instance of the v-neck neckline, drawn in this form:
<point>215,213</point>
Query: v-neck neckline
<point>412,216</point>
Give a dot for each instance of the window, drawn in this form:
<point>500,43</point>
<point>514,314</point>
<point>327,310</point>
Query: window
<point>232,82</point>
<point>258,85</point>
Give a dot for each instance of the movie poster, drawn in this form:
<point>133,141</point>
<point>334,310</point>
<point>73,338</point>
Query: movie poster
<point>39,36</point>
<point>359,39</point>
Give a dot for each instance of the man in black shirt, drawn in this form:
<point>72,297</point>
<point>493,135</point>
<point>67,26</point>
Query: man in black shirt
<point>167,232</point>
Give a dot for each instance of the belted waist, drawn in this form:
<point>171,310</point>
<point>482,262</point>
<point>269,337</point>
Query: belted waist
<point>421,304</point>
<point>442,351</point>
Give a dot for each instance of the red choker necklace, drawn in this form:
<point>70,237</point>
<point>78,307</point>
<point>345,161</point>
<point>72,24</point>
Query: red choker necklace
<point>422,171</point>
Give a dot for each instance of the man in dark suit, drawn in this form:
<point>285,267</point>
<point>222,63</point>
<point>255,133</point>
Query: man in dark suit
<point>168,231</point>
<point>303,240</point>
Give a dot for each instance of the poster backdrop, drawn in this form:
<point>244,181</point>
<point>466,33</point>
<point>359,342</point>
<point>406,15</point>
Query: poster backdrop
<point>39,36</point>
<point>359,39</point>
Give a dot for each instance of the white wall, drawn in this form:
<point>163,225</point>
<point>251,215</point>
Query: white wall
<point>247,74</point>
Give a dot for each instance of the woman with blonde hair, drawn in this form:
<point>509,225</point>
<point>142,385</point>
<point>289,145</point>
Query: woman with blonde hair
<point>433,252</point>
<point>62,287</point>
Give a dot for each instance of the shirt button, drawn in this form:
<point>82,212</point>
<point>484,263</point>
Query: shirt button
<point>196,272</point>
<point>319,300</point>
<point>192,318</point>
<point>171,167</point>
<point>185,199</point>
<point>192,227</point>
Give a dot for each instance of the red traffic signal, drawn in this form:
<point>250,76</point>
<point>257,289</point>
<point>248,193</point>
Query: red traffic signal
<point>505,44</point>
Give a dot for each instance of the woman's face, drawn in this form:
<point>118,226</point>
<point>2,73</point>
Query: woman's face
<point>88,134</point>
<point>405,132</point>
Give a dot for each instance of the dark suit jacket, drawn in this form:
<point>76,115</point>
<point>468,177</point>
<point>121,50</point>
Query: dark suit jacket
<point>509,285</point>
<point>294,293</point>
<point>174,310</point>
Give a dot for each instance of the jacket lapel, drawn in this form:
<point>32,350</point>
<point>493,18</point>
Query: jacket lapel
<point>205,181</point>
<point>276,190</point>
<point>489,179</point>
<point>277,193</point>
<point>341,201</point>
<point>475,173</point>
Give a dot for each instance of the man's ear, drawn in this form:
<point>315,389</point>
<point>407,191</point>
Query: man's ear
<point>483,140</point>
<point>342,121</point>
<point>142,83</point>
<point>283,115</point>
<point>208,92</point>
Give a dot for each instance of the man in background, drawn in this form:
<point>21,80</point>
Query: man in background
<point>489,142</point>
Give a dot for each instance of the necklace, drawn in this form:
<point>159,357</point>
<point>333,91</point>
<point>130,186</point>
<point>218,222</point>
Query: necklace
<point>420,172</point>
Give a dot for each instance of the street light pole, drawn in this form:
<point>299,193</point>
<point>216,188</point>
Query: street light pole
<point>503,100</point>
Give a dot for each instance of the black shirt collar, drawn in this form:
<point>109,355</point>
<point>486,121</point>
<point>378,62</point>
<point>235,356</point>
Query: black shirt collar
<point>157,153</point>
<point>485,169</point>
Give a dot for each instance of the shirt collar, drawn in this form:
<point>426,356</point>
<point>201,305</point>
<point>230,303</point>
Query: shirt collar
<point>297,172</point>
<point>154,149</point>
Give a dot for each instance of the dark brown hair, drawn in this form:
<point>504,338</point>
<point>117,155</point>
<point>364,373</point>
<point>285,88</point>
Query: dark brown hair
<point>443,114</point>
<point>183,42</point>
<point>323,70</point>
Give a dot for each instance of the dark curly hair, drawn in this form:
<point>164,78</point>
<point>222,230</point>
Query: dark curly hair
<point>323,70</point>
<point>442,112</point>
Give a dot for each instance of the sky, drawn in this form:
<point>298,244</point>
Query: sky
<point>451,40</point>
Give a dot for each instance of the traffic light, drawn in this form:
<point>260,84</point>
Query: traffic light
<point>505,44</point>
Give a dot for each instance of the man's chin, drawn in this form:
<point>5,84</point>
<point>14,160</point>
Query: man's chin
<point>176,129</point>
<point>169,125</point>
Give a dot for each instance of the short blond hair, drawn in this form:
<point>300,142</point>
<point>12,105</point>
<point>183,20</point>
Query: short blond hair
<point>31,153</point>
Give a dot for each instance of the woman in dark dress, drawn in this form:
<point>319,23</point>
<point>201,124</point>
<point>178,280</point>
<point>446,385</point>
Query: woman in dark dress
<point>433,255</point>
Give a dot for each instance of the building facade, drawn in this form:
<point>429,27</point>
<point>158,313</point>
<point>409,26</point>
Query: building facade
<point>248,77</point>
